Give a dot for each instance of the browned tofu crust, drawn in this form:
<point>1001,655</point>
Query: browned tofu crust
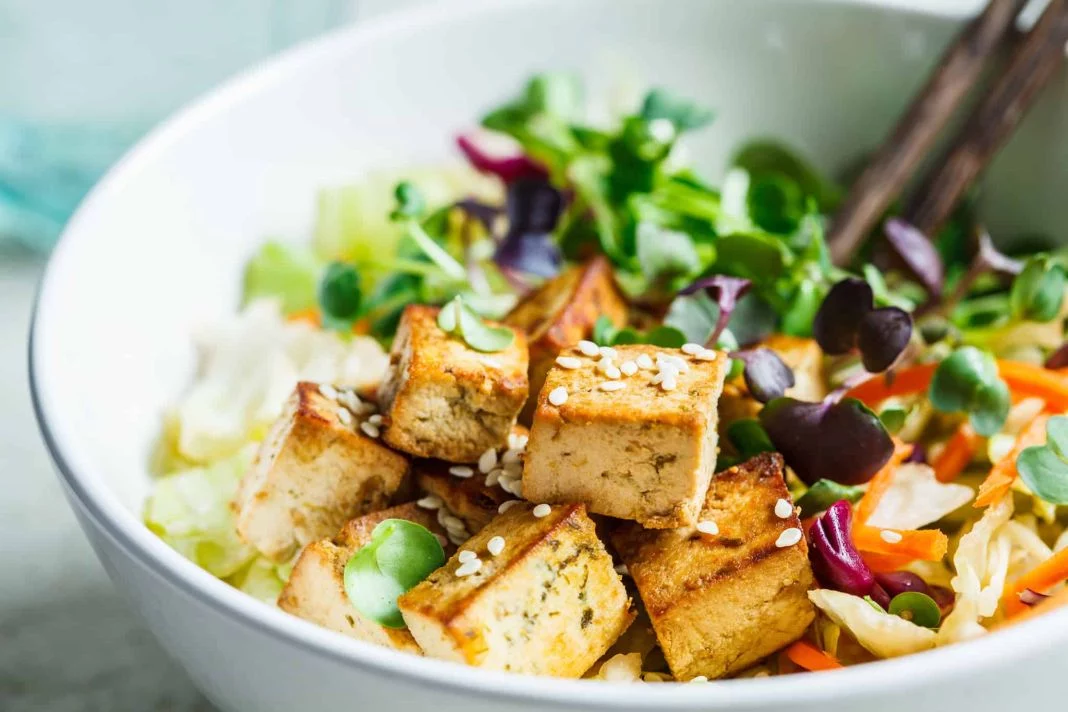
<point>444,400</point>
<point>312,473</point>
<point>316,587</point>
<point>550,603</point>
<point>720,603</point>
<point>562,312</point>
<point>640,453</point>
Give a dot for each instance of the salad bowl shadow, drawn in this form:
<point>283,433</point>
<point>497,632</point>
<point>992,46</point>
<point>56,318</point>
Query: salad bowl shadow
<point>157,249</point>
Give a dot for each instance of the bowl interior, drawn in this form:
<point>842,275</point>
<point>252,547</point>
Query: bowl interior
<point>158,248</point>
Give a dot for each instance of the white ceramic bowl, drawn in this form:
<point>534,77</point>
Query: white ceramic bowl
<point>159,245</point>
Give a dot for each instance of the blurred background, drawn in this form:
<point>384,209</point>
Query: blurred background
<point>80,81</point>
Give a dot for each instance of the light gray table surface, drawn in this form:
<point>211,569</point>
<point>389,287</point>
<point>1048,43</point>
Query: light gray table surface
<point>68,641</point>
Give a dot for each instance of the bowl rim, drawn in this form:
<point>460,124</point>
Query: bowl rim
<point>125,530</point>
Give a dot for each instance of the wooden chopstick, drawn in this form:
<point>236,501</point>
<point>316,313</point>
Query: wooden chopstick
<point>912,138</point>
<point>1031,67</point>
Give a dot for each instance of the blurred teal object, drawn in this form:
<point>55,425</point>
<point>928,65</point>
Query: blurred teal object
<point>81,81</point>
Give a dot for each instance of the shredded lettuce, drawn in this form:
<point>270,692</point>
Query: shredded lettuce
<point>916,498</point>
<point>882,634</point>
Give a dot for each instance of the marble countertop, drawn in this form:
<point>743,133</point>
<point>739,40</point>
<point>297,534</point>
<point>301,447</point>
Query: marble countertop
<point>68,640</point>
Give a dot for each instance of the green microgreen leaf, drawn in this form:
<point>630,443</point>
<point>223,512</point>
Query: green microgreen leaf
<point>1038,291</point>
<point>1044,468</point>
<point>749,438</point>
<point>665,254</point>
<point>410,201</point>
<point>667,337</point>
<point>399,556</point>
<point>917,607</point>
<point>967,381</point>
<point>458,319</point>
<point>683,113</point>
<point>340,295</point>
<point>823,493</point>
<point>893,418</point>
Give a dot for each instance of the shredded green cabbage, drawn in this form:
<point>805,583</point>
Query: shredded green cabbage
<point>286,272</point>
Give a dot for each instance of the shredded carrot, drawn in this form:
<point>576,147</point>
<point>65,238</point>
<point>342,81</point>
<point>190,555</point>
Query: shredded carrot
<point>1040,579</point>
<point>958,452</point>
<point>362,327</point>
<point>1023,379</point>
<point>880,483</point>
<point>1055,601</point>
<point>311,316</point>
<point>1004,472</point>
<point>885,563</point>
<point>808,656</point>
<point>925,544</point>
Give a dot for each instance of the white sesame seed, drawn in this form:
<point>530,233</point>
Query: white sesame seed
<point>512,455</point>
<point>708,526</point>
<point>513,438</point>
<point>487,461</point>
<point>672,361</point>
<point>375,419</point>
<point>558,396</point>
<point>511,485</point>
<point>495,545</point>
<point>431,501</point>
<point>513,469</point>
<point>612,386</point>
<point>890,537</point>
<point>450,521</point>
<point>644,361</point>
<point>459,537</point>
<point>569,362</point>
<point>542,510</point>
<point>699,678</point>
<point>628,368</point>
<point>350,400</point>
<point>783,509</point>
<point>607,352</point>
<point>469,567</point>
<point>494,477</point>
<point>328,391</point>
<point>622,570</point>
<point>345,416</point>
<point>692,349</point>
<point>462,471</point>
<point>588,348</point>
<point>466,555</point>
<point>613,372</point>
<point>706,355</point>
<point>521,442</point>
<point>505,506</point>
<point>788,537</point>
<point>668,384</point>
<point>369,430</point>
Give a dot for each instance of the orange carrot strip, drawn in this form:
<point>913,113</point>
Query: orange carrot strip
<point>958,452</point>
<point>1004,473</point>
<point>311,316</point>
<point>885,563</point>
<point>808,656</point>
<point>925,544</point>
<point>1040,579</point>
<point>1023,379</point>
<point>881,482</point>
<point>1055,601</point>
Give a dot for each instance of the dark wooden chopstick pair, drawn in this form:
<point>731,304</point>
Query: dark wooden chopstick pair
<point>1033,61</point>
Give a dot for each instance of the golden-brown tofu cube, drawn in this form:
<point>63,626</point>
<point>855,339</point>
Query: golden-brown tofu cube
<point>442,399</point>
<point>316,587</point>
<point>548,602</point>
<point>720,602</point>
<point>803,356</point>
<point>640,446</point>
<point>562,312</point>
<point>315,470</point>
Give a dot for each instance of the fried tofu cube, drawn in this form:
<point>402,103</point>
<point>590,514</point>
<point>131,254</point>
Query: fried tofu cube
<point>314,471</point>
<point>548,603</point>
<point>720,602</point>
<point>316,587</point>
<point>468,498</point>
<point>803,356</point>
<point>562,312</point>
<point>640,447</point>
<point>444,400</point>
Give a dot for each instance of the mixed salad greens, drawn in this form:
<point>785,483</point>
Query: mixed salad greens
<point>933,473</point>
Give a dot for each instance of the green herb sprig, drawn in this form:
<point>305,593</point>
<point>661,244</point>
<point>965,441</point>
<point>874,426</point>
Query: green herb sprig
<point>457,319</point>
<point>967,381</point>
<point>1044,468</point>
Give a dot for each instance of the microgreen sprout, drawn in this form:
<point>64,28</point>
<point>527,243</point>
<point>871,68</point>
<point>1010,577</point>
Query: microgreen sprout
<point>967,381</point>
<point>1044,468</point>
<point>458,319</point>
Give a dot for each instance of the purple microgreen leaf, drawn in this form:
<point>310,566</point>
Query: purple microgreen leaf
<point>533,206</point>
<point>917,252</point>
<point>483,212</point>
<point>842,441</point>
<point>1059,358</point>
<point>1030,597</point>
<point>508,168</point>
<point>882,336</point>
<point>990,258</point>
<point>766,376</point>
<point>835,559</point>
<point>838,318</point>
<point>726,291</point>
<point>918,454</point>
